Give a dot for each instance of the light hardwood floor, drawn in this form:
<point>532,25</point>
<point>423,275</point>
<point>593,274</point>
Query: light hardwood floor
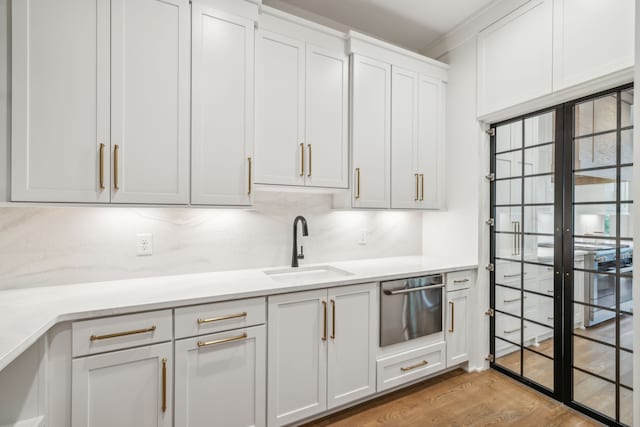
<point>457,398</point>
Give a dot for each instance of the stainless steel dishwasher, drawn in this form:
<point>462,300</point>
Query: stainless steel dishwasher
<point>410,308</point>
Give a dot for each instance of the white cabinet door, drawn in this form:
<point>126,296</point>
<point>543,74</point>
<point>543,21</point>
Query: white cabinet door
<point>591,38</point>
<point>222,382</point>
<point>457,335</point>
<point>371,133</point>
<point>60,100</point>
<point>353,341</point>
<point>430,145</point>
<point>280,82</point>
<point>128,388</point>
<point>297,356</point>
<point>405,179</point>
<point>515,58</point>
<point>327,118</point>
<point>222,108</point>
<point>150,78</point>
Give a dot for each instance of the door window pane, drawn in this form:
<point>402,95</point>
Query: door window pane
<point>594,393</point>
<point>540,129</point>
<point>539,189</point>
<point>538,368</point>
<point>595,186</point>
<point>509,136</point>
<point>539,159</point>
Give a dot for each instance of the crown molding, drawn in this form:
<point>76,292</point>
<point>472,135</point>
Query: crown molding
<point>471,26</point>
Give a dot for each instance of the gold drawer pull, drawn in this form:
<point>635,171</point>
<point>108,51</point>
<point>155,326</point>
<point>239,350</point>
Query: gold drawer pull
<point>511,300</point>
<point>417,365</point>
<point>301,159</point>
<point>250,178</point>
<point>324,326</point>
<point>101,166</point>
<point>310,159</point>
<point>217,319</point>
<point>422,187</point>
<point>222,341</point>
<point>511,331</point>
<point>164,385</point>
<point>461,281</point>
<point>333,321</point>
<point>417,175</point>
<point>116,152</point>
<point>121,334</point>
<point>357,196</point>
<point>453,316</point>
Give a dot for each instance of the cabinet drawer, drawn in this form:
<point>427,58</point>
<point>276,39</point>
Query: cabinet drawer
<point>410,365</point>
<point>218,317</point>
<point>460,280</point>
<point>115,333</point>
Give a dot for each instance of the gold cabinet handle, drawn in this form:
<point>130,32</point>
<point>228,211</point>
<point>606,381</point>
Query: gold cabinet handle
<point>301,159</point>
<point>122,334</point>
<point>164,384</point>
<point>417,186</point>
<point>453,316</point>
<point>250,178</point>
<point>417,365</point>
<point>222,340</point>
<point>324,325</point>
<point>422,187</point>
<point>310,159</point>
<point>357,196</point>
<point>465,280</point>
<point>333,319</point>
<point>116,152</point>
<point>101,166</point>
<point>219,318</point>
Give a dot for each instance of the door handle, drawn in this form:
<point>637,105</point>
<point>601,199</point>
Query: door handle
<point>324,324</point>
<point>417,186</point>
<point>310,159</point>
<point>407,290</point>
<point>301,159</point>
<point>164,384</point>
<point>357,196</point>
<point>116,152</point>
<point>101,167</point>
<point>453,316</point>
<point>333,319</point>
<point>250,178</point>
<point>422,187</point>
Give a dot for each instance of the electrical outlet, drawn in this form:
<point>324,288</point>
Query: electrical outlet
<point>145,244</point>
<point>364,236</point>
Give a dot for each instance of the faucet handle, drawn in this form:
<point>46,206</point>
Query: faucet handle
<point>301,254</point>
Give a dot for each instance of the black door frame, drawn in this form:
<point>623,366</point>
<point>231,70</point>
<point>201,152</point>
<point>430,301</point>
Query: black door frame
<point>563,255</point>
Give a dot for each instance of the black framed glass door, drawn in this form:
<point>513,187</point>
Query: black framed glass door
<point>562,252</point>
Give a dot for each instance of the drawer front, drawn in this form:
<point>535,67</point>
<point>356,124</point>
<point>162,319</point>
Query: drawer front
<point>410,365</point>
<point>119,332</point>
<point>219,317</point>
<point>460,280</point>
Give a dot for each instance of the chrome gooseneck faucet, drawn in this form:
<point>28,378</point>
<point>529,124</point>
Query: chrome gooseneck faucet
<point>305,232</point>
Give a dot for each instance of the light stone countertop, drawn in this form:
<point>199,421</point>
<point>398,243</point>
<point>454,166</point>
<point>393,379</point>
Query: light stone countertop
<point>27,314</point>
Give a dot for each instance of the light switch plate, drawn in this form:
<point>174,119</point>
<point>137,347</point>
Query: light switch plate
<point>364,236</point>
<point>145,244</point>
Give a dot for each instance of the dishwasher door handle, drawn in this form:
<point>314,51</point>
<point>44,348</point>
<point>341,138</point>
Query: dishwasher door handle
<point>406,291</point>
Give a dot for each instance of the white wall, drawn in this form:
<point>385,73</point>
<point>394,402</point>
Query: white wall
<point>456,232</point>
<point>5,85</point>
<point>43,246</point>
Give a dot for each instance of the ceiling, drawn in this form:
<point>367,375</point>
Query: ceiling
<point>413,24</point>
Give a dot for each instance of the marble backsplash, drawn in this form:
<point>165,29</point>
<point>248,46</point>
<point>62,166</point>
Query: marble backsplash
<point>44,246</point>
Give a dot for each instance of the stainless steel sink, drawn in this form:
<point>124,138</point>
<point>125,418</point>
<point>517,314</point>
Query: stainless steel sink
<point>320,273</point>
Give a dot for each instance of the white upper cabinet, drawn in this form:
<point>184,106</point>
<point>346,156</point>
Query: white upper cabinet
<point>431,141</point>
<point>371,133</point>
<point>327,118</point>
<point>279,109</point>
<point>222,107</point>
<point>515,58</point>
<point>60,101</point>
<point>592,38</point>
<point>405,179</point>
<point>301,104</point>
<point>150,100</point>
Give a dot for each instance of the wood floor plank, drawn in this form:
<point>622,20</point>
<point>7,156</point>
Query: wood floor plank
<point>458,398</point>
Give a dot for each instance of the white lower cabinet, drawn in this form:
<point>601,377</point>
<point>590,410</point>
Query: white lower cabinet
<point>127,388</point>
<point>410,365</point>
<point>457,327</point>
<point>221,379</point>
<point>321,350</point>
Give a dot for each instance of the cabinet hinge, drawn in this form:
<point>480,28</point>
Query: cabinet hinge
<point>490,312</point>
<point>491,222</point>
<point>490,267</point>
<point>491,358</point>
<point>491,131</point>
<point>490,177</point>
